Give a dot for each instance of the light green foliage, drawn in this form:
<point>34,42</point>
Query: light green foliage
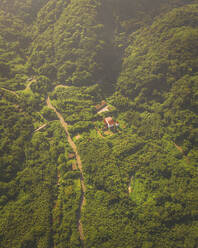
<point>42,85</point>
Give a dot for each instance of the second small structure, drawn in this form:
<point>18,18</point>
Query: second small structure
<point>110,123</point>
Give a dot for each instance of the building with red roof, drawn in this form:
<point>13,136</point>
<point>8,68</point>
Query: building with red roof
<point>109,122</point>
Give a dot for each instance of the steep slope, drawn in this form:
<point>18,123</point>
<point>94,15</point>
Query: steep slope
<point>16,20</point>
<point>160,73</point>
<point>71,44</point>
<point>26,10</point>
<point>27,177</point>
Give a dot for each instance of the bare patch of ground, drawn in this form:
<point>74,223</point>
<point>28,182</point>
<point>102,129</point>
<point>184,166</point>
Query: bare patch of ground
<point>78,137</point>
<point>105,109</point>
<point>61,86</point>
<point>108,132</point>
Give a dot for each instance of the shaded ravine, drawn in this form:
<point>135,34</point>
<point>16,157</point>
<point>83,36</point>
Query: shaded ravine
<point>79,163</point>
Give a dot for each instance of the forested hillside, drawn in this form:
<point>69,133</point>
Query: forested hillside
<point>66,179</point>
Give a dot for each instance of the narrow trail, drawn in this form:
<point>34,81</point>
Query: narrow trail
<point>10,91</point>
<point>56,205</point>
<point>61,86</point>
<point>179,148</point>
<point>130,187</point>
<point>57,183</point>
<point>29,84</point>
<point>41,127</point>
<point>99,133</point>
<point>79,163</point>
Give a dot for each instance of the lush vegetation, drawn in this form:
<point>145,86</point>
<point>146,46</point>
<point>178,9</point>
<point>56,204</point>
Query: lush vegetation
<point>141,178</point>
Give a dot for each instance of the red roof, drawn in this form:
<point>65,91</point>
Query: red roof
<point>101,105</point>
<point>109,121</point>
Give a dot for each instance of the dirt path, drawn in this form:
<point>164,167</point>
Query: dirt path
<point>29,84</point>
<point>10,91</point>
<point>99,133</point>
<point>61,86</point>
<point>41,127</point>
<point>79,163</point>
<point>179,148</point>
<point>130,187</point>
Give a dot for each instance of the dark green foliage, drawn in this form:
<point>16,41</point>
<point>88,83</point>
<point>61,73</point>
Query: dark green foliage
<point>4,70</point>
<point>15,130</point>
<point>27,177</point>
<point>48,114</point>
<point>162,78</point>
<point>42,85</point>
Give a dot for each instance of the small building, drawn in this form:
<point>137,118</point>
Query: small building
<point>29,79</point>
<point>109,122</point>
<point>101,105</point>
<point>74,166</point>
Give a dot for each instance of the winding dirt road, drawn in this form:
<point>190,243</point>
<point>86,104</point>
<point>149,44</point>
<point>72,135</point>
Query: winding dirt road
<point>79,163</point>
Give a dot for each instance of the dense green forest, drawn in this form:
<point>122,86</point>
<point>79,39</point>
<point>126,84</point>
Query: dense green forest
<point>68,181</point>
